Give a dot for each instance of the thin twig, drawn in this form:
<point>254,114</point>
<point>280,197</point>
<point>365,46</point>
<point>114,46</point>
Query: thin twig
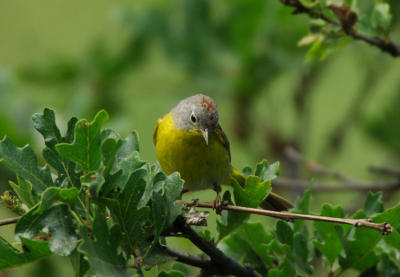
<point>8,221</point>
<point>383,170</point>
<point>315,167</point>
<point>385,45</point>
<point>385,228</point>
<point>222,264</point>
<point>347,184</point>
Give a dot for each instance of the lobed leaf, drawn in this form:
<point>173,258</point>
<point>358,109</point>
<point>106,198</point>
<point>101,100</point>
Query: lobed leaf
<point>373,203</point>
<point>85,149</point>
<point>330,244</point>
<point>101,251</point>
<point>57,219</point>
<point>12,257</point>
<point>24,163</point>
<point>46,125</point>
<point>125,211</point>
<point>24,191</point>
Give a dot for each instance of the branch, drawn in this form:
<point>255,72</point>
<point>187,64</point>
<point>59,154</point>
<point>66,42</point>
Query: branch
<point>189,259</point>
<point>8,221</point>
<point>385,171</point>
<point>315,167</point>
<point>219,263</point>
<point>385,228</point>
<point>385,45</point>
<point>348,182</point>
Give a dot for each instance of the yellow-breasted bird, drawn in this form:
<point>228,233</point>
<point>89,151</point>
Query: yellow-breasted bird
<point>189,140</point>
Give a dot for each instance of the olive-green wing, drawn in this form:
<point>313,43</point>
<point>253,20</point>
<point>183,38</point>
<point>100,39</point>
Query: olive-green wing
<point>223,139</point>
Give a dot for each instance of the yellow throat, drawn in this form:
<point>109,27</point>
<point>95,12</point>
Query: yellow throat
<point>201,165</point>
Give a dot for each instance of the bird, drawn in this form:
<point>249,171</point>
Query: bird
<point>190,140</point>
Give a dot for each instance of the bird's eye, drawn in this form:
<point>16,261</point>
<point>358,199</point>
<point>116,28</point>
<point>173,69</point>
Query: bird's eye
<point>193,118</point>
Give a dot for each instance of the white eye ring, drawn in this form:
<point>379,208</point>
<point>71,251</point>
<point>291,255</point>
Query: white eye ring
<point>193,118</point>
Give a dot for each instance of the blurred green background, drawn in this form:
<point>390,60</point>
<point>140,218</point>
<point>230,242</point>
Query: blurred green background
<point>137,59</point>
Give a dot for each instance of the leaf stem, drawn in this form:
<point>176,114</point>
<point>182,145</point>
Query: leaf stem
<point>78,218</point>
<point>385,228</point>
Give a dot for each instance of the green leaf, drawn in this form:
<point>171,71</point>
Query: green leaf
<point>301,207</point>
<point>373,203</point>
<point>247,171</point>
<point>382,18</point>
<point>359,249</point>
<point>94,182</point>
<point>285,269</point>
<point>54,195</point>
<point>46,125</point>
<point>126,159</point>
<point>251,195</point>
<point>309,3</point>
<point>250,244</point>
<point>79,263</point>
<point>391,216</point>
<point>284,232</point>
<point>300,252</point>
<point>85,149</point>
<point>24,163</point>
<point>24,192</point>
<point>170,274</point>
<point>63,239</point>
<point>330,245</point>
<point>12,257</point>
<point>266,171</point>
<point>132,220</point>
<point>154,181</point>
<point>154,254</point>
<point>101,251</point>
<point>163,202</point>
<point>386,267</point>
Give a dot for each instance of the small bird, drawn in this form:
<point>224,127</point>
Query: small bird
<point>189,140</point>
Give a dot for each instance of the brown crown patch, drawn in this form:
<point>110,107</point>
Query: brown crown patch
<point>208,104</point>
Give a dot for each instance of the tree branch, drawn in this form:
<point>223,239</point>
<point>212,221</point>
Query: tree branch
<point>385,171</point>
<point>189,259</point>
<point>347,184</point>
<point>385,45</point>
<point>385,228</point>
<point>315,167</point>
<point>219,263</point>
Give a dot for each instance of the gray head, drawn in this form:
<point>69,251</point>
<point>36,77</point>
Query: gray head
<point>197,112</point>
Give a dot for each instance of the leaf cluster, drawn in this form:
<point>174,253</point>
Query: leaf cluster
<point>95,201</point>
<point>337,20</point>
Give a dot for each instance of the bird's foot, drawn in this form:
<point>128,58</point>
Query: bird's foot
<point>219,205</point>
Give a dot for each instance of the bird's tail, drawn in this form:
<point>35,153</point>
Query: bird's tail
<point>272,202</point>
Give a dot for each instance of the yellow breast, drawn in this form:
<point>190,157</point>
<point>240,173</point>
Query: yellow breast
<point>201,166</point>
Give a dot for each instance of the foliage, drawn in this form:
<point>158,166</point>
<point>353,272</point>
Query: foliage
<point>337,21</point>
<point>99,204</point>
